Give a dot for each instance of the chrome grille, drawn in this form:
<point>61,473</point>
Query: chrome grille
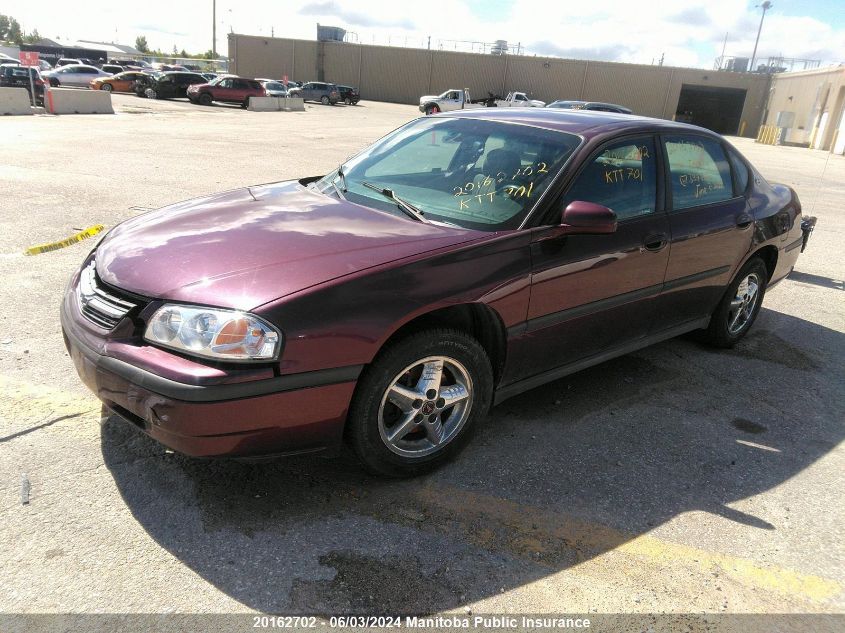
<point>102,308</point>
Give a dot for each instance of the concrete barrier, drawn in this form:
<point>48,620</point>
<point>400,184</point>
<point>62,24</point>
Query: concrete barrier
<point>70,101</point>
<point>264,104</point>
<point>276,104</point>
<point>14,101</point>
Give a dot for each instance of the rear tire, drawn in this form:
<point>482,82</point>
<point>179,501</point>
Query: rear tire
<point>401,423</point>
<point>739,306</point>
<point>245,103</point>
<point>347,101</point>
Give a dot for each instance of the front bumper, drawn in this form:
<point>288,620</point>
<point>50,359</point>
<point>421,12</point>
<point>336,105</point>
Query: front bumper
<point>297,413</point>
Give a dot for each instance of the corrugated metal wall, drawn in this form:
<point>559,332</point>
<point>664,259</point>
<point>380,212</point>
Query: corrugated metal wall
<point>403,75</point>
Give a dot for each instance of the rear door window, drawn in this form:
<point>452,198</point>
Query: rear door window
<point>699,171</point>
<point>740,173</point>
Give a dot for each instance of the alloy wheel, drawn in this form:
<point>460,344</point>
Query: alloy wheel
<point>743,304</point>
<point>425,406</point>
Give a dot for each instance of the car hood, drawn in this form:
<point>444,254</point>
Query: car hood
<point>429,98</point>
<point>245,247</point>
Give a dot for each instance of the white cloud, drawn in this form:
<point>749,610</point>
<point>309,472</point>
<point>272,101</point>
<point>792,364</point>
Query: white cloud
<point>611,29</point>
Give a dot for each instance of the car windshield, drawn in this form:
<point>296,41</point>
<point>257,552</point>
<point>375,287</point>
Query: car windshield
<point>478,174</point>
<point>273,85</point>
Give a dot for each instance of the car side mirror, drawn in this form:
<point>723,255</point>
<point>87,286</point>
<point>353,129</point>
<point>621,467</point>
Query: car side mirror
<point>587,218</point>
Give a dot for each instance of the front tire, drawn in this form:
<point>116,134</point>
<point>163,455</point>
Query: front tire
<point>432,109</point>
<point>205,99</point>
<point>106,87</point>
<point>419,401</point>
<point>739,306</point>
<point>324,100</point>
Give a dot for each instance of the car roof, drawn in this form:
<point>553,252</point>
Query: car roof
<point>587,123</point>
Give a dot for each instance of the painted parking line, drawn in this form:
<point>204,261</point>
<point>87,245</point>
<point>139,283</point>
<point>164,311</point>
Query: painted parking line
<point>540,534</point>
<point>548,538</point>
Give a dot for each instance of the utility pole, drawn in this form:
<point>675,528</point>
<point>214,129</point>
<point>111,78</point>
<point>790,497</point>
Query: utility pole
<point>429,42</point>
<point>765,6</point>
<point>722,57</point>
<point>214,29</point>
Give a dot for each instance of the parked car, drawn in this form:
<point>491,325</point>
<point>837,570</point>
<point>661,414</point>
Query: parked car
<point>317,91</point>
<point>121,82</point>
<point>349,95</point>
<point>74,75</point>
<point>167,85</point>
<point>457,262</point>
<point>132,64</point>
<point>12,76</point>
<point>68,61</point>
<point>112,69</point>
<point>589,105</point>
<point>274,88</point>
<point>209,76</point>
<point>226,90</point>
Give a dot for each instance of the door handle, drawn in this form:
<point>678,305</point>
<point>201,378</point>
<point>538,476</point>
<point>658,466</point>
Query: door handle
<point>654,243</point>
<point>743,220</point>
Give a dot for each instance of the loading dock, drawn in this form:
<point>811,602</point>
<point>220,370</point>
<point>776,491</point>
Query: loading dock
<point>716,108</point>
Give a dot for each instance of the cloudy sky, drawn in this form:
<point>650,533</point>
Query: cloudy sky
<point>617,30</point>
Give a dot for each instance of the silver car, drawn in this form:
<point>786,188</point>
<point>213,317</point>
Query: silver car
<point>274,88</point>
<point>76,75</point>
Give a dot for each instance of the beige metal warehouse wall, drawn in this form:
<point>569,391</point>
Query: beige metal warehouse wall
<point>403,75</point>
<point>816,98</point>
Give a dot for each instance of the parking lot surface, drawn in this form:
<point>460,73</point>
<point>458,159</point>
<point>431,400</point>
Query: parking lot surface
<point>697,481</point>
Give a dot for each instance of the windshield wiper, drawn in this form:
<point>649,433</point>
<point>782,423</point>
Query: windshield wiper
<point>342,178</point>
<point>407,207</point>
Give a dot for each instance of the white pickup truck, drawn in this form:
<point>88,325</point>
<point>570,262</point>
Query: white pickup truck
<point>454,99</point>
<point>518,100</point>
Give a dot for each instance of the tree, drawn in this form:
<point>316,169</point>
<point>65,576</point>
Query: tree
<point>183,53</point>
<point>141,44</point>
<point>14,34</point>
<point>32,38</point>
<point>4,26</point>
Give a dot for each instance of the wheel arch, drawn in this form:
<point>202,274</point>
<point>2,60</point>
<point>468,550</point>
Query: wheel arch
<point>769,255</point>
<point>477,320</point>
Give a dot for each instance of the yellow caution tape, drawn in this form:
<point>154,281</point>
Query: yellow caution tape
<point>91,231</point>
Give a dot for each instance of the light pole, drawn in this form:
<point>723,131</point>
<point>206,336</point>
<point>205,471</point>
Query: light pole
<point>214,29</point>
<point>765,6</point>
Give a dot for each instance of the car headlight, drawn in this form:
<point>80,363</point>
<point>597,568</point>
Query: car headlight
<point>213,333</point>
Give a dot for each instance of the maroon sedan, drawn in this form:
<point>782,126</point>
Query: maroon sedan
<point>226,90</point>
<point>460,260</point>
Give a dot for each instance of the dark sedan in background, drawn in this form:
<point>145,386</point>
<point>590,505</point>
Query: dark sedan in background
<point>596,106</point>
<point>166,85</point>
<point>27,77</point>
<point>460,260</point>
